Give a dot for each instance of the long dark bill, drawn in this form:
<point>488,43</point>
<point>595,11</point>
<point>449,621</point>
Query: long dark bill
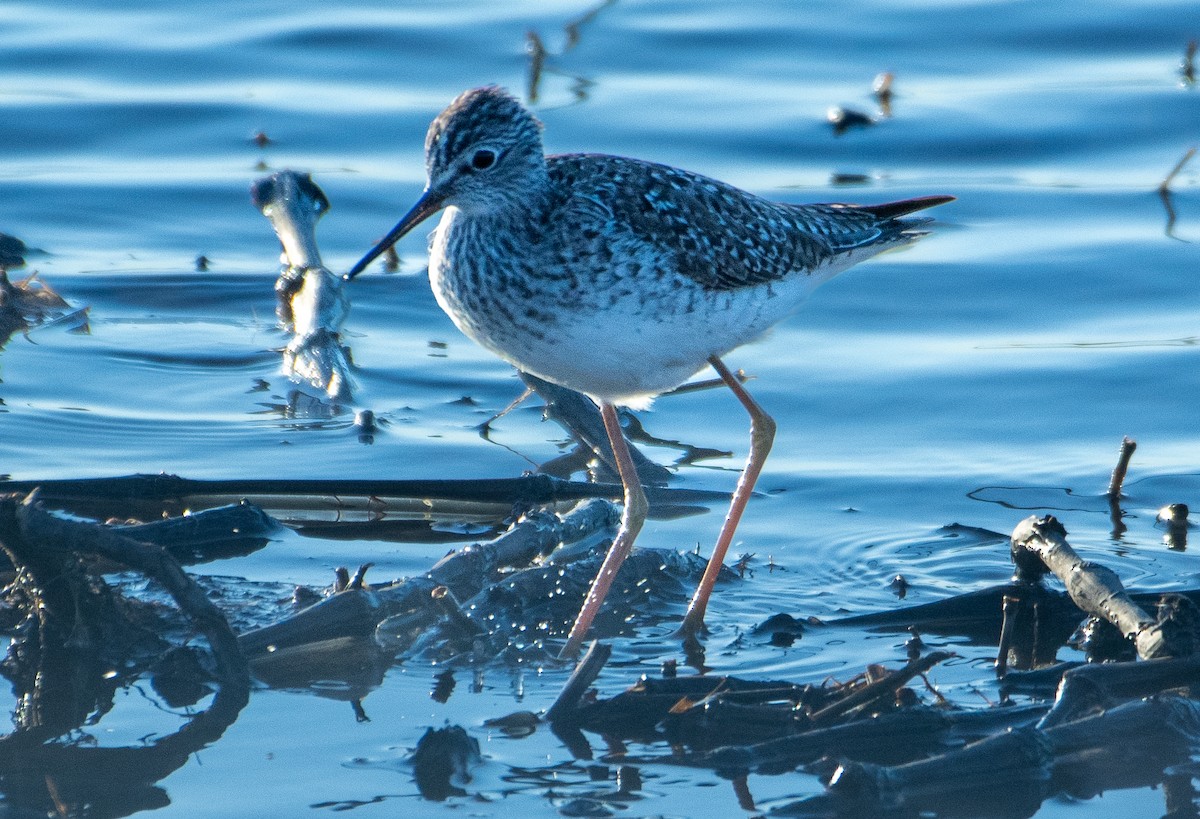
<point>426,206</point>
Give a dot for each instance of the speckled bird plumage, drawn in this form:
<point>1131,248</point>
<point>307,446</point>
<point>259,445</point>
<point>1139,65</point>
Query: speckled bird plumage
<point>564,264</point>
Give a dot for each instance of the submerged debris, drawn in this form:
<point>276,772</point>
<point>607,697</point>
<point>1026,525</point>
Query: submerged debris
<point>542,61</point>
<point>32,303</point>
<point>884,742</point>
<point>844,119</point>
<point>12,252</point>
<point>443,760</point>
<point>882,89</point>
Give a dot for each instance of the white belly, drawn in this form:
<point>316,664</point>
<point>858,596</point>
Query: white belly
<point>620,347</point>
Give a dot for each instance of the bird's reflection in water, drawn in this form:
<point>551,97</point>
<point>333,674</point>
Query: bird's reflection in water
<point>312,302</point>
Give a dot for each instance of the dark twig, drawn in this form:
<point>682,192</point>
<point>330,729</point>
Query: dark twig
<point>885,686</point>
<point>583,676</point>
<point>1164,189</point>
<point>1128,446</point>
<point>1116,482</point>
<point>707,384</point>
<point>1012,606</point>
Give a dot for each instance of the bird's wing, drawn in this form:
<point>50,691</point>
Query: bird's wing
<point>699,228</point>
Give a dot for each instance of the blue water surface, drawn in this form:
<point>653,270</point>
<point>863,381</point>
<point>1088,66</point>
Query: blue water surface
<point>1052,312</point>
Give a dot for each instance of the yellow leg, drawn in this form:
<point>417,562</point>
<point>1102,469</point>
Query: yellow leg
<point>762,434</point>
<point>632,518</point>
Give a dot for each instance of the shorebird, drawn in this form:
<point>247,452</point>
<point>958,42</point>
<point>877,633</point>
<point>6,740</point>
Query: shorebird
<point>621,278</point>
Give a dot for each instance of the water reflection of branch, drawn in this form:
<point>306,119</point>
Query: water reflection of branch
<point>68,679</point>
<point>538,54</point>
<point>1164,191</point>
<point>573,27</point>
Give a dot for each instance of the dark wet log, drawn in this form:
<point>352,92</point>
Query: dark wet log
<point>398,617</point>
<point>388,529</point>
<point>1048,617</point>
<point>358,664</point>
<point>715,721</point>
<point>56,534</point>
<point>1038,682</point>
<point>976,614</point>
<point>351,613</point>
<point>1127,746</point>
<point>536,535</point>
<point>443,759</point>
<point>1011,773</point>
<point>149,495</point>
<point>886,739</point>
<point>358,612</point>
<point>213,534</point>
<point>1094,588</point>
<point>684,705</point>
<point>1099,685</point>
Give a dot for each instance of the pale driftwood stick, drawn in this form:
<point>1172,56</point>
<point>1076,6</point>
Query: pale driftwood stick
<point>1094,588</point>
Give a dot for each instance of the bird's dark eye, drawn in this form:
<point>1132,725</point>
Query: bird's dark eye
<point>483,159</point>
